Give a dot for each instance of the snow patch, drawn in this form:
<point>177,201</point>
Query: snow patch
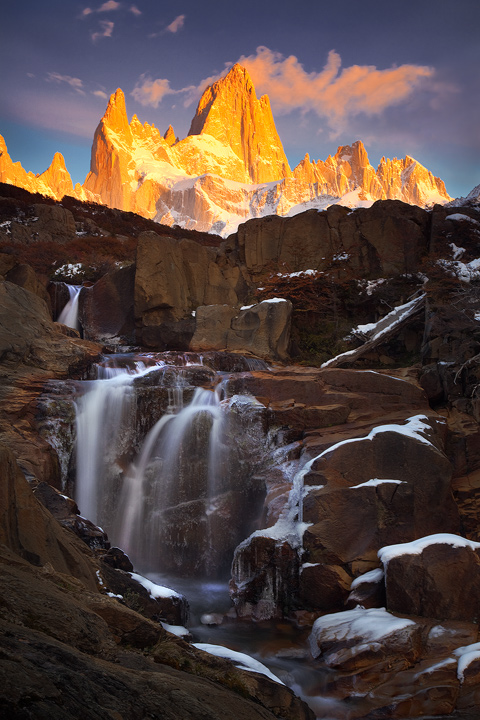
<point>373,576</point>
<point>416,547</point>
<point>240,660</point>
<point>377,481</point>
<point>156,591</point>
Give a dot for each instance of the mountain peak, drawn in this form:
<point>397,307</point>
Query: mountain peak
<point>115,116</point>
<point>230,111</point>
<point>170,136</point>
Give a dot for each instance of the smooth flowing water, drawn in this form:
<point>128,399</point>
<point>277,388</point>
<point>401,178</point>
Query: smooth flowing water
<point>69,314</point>
<point>156,467</point>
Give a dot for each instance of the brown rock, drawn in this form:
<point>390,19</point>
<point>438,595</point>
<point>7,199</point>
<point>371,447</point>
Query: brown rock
<point>29,530</point>
<point>106,310</point>
<point>323,586</point>
<point>433,578</point>
<point>212,325</point>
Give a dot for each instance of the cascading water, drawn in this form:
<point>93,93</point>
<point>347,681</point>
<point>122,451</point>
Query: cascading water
<point>178,470</point>
<point>69,314</point>
<point>172,496</point>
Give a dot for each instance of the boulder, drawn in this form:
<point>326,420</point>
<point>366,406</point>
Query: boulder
<point>437,576</point>
<point>262,329</point>
<point>391,483</point>
<point>212,325</point>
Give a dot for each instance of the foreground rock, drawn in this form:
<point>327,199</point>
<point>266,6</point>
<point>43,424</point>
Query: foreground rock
<point>376,470</point>
<point>69,649</point>
<point>437,576</point>
<point>391,666</point>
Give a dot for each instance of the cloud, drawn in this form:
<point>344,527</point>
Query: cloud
<point>75,83</point>
<point>105,7</point>
<point>333,93</point>
<point>150,92</point>
<point>106,30</point>
<point>135,10</point>
<point>100,94</point>
<point>109,5</point>
<point>176,25</point>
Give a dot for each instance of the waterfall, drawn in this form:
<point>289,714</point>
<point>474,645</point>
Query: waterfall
<point>69,314</point>
<point>164,464</point>
<point>179,467</point>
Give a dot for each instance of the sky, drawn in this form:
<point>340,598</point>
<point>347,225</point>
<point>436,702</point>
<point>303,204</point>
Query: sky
<point>403,77</point>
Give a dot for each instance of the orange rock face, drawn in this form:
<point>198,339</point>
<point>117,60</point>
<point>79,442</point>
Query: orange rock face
<point>250,130</point>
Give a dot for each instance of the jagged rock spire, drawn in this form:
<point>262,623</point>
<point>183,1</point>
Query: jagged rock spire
<point>230,111</point>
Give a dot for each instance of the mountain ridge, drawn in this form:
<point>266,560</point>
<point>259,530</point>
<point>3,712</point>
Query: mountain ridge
<point>229,168</point>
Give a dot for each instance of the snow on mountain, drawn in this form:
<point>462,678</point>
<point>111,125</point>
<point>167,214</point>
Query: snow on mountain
<point>231,167</point>
<point>473,198</point>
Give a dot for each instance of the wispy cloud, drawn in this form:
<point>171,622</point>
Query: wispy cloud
<point>105,7</point>
<point>75,83</point>
<point>333,93</point>
<point>134,9</point>
<point>100,94</point>
<point>176,24</point>
<point>105,31</point>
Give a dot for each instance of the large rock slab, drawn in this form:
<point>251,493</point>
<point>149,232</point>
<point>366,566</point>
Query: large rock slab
<point>33,349</point>
<point>172,279</point>
<point>388,238</point>
<point>29,530</point>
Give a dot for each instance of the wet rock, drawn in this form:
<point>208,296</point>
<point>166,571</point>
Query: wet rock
<point>264,581</point>
<point>173,608</point>
<point>66,512</point>
<point>116,558</point>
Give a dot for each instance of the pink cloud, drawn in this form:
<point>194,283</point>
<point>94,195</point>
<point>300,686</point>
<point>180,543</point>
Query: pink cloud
<point>176,24</point>
<point>106,30</point>
<point>109,5</point>
<point>134,9</point>
<point>150,92</point>
<point>333,93</point>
